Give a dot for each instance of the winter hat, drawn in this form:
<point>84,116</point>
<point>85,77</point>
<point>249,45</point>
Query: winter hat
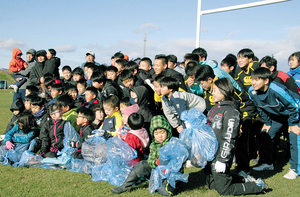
<point>31,51</point>
<point>126,57</point>
<point>41,53</point>
<point>131,109</point>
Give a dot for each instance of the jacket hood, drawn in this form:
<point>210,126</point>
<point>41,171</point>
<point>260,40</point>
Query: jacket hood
<point>17,105</point>
<point>210,63</point>
<point>142,95</point>
<point>15,52</point>
<point>31,51</point>
<point>142,134</point>
<point>160,122</point>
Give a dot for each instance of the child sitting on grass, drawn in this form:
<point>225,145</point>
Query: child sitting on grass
<point>84,120</point>
<point>38,110</point>
<point>23,132</point>
<point>52,133</point>
<point>161,133</point>
<point>137,137</point>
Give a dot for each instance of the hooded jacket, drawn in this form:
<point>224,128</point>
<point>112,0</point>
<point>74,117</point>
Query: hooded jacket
<point>16,135</point>
<point>143,100</point>
<point>295,73</point>
<point>37,70</point>
<point>16,105</point>
<point>71,116</point>
<point>139,141</point>
<point>224,120</point>
<point>158,122</point>
<point>16,64</point>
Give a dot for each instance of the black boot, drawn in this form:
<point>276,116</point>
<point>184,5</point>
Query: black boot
<point>131,180</point>
<point>166,189</point>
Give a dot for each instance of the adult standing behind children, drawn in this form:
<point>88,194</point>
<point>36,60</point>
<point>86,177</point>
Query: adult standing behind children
<point>90,58</point>
<point>36,77</point>
<point>160,66</point>
<point>52,63</point>
<point>294,62</point>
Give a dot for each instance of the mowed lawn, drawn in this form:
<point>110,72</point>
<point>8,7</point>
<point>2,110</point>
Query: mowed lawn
<point>44,182</point>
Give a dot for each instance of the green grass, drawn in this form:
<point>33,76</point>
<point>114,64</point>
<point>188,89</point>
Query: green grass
<point>44,182</point>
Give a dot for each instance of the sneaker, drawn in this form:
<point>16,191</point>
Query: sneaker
<point>261,184</point>
<point>263,167</point>
<point>13,86</point>
<point>291,174</point>
<point>42,95</point>
<point>246,176</point>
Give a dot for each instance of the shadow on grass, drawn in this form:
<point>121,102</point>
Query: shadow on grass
<point>196,181</point>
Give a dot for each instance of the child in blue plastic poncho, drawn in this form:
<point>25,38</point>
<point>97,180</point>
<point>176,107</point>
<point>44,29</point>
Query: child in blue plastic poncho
<point>23,132</point>
<point>161,133</point>
<point>224,120</point>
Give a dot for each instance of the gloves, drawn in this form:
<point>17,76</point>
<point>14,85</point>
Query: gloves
<point>161,162</point>
<point>220,167</point>
<point>9,145</point>
<point>73,144</point>
<point>53,149</point>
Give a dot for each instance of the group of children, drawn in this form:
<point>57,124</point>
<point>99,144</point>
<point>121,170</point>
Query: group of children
<point>247,103</point>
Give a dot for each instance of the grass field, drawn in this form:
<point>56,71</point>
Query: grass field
<point>44,182</point>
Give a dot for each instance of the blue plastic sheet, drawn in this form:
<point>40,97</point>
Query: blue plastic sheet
<point>81,166</point>
<point>174,154</point>
<point>199,139</point>
<point>3,152</point>
<point>118,166</point>
<point>94,150</point>
<point>70,135</point>
<point>29,159</point>
<point>15,154</point>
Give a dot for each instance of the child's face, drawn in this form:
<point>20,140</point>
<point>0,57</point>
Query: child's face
<point>65,109</point>
<point>81,88</point>
<point>56,115</point>
<point>67,74</point>
<point>111,75</point>
<point>41,58</point>
<point>144,66</point>
<point>27,92</point>
<point>99,115</point>
<point>206,85</point>
<point>55,93</point>
<point>89,96</point>
<point>218,96</point>
<point>171,65</point>
<point>35,108</point>
<point>97,85</point>
<point>243,62</point>
<point>122,106</point>
<point>15,111</point>
<point>109,109</point>
<point>76,77</point>
<point>119,67</point>
<point>294,62</point>
<point>128,83</point>
<point>157,88</point>
<point>19,56</point>
<point>166,91</point>
<point>124,119</point>
<point>81,119</point>
<point>89,73</point>
<point>258,83</point>
<point>73,93</point>
<point>160,135</point>
<point>49,55</point>
<point>226,68</point>
<point>27,105</point>
<point>133,96</point>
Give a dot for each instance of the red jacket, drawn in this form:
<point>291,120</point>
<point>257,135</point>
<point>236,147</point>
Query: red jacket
<point>16,64</point>
<point>134,142</point>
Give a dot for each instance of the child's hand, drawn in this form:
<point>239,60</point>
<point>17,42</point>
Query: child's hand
<point>53,149</point>
<point>25,66</point>
<point>266,128</point>
<point>190,82</point>
<point>179,128</point>
<point>295,129</point>
<point>9,145</point>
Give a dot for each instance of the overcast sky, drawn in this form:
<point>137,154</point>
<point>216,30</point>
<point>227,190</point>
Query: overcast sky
<point>72,27</point>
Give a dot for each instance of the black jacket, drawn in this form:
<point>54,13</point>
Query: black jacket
<point>51,67</point>
<point>16,105</point>
<point>84,131</point>
<point>52,135</point>
<point>224,120</point>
